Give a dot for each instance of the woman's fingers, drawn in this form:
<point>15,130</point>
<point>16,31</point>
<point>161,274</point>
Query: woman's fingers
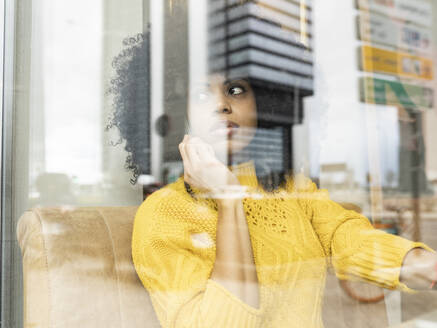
<point>200,152</point>
<point>185,158</point>
<point>183,151</point>
<point>204,151</point>
<point>193,152</point>
<point>191,148</point>
<point>201,168</point>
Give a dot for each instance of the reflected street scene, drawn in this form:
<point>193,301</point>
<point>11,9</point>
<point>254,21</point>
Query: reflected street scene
<point>219,163</point>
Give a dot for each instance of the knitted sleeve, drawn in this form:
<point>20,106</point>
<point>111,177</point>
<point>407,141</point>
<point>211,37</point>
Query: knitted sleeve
<point>357,250</point>
<point>176,276</point>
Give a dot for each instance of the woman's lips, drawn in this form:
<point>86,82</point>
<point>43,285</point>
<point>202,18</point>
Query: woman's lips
<point>224,129</point>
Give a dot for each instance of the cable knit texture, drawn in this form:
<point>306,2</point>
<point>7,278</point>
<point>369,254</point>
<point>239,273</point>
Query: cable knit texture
<point>296,232</point>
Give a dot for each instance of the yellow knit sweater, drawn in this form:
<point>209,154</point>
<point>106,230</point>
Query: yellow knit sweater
<point>296,232</point>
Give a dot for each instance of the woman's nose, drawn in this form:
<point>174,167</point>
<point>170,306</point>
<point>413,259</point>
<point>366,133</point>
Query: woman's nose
<point>223,105</point>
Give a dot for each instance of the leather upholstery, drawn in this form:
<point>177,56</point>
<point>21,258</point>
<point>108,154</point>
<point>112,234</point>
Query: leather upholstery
<point>78,270</point>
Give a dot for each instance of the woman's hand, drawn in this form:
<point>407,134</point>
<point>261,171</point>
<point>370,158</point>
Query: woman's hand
<point>419,269</point>
<point>203,170</point>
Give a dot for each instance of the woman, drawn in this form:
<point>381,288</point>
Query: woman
<point>218,249</point>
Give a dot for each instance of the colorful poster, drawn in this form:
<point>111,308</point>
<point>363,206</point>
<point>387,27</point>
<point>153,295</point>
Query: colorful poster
<point>384,92</point>
<point>416,11</point>
<point>395,63</point>
<point>376,28</point>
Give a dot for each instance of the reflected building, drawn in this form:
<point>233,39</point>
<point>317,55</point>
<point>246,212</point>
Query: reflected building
<point>267,42</point>
<point>270,43</point>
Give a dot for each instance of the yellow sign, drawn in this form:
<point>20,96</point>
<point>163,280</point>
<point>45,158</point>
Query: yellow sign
<point>396,63</point>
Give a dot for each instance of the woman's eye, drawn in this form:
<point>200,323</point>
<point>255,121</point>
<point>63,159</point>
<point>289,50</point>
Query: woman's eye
<point>237,90</point>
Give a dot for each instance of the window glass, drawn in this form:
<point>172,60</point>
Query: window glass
<point>313,120</point>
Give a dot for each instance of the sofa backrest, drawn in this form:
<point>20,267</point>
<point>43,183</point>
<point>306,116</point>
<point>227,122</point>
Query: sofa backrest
<point>78,269</point>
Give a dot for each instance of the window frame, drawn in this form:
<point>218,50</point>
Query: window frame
<point>7,228</point>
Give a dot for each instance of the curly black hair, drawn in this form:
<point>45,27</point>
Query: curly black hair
<point>131,90</point>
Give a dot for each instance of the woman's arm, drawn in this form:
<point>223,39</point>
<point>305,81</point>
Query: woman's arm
<point>234,267</point>
<point>357,250</point>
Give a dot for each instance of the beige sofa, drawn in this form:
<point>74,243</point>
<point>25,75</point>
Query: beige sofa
<point>78,270</point>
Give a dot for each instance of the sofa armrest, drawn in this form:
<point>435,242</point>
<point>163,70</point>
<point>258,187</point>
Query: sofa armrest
<point>78,269</point>
<point>35,271</point>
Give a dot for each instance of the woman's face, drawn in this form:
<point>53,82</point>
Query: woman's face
<point>223,113</point>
